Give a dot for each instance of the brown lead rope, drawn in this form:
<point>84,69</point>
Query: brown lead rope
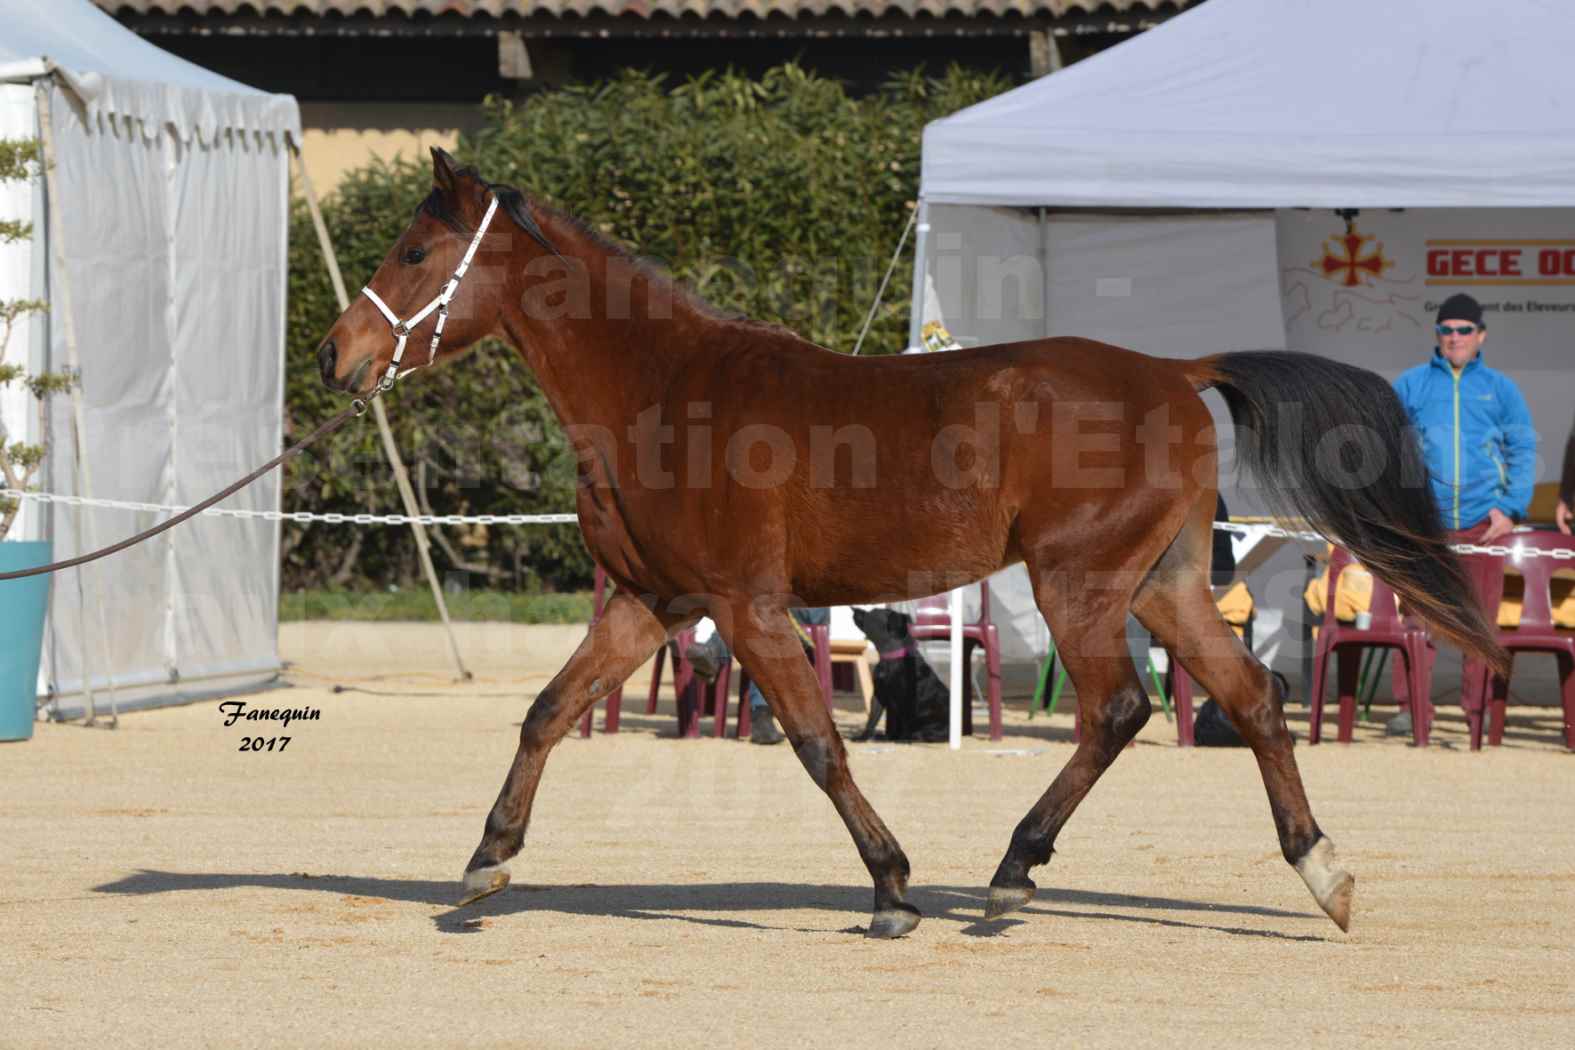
<point>355,408</point>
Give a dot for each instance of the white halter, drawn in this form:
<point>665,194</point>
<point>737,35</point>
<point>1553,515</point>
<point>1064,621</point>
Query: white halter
<point>440,304</point>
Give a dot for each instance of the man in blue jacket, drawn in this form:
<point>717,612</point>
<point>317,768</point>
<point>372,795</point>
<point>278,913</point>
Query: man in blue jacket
<point>1476,432</point>
<point>1477,437</point>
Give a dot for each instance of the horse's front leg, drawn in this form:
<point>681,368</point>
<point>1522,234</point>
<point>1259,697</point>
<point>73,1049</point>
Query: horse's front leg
<point>620,642</point>
<point>768,647</point>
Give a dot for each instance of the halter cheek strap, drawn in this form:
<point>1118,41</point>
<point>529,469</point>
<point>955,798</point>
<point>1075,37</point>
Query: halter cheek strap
<point>402,329</point>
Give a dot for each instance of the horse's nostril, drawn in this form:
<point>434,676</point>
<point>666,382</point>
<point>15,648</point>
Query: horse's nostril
<point>326,355</point>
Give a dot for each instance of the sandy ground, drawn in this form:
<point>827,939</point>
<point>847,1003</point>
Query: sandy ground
<point>161,888</point>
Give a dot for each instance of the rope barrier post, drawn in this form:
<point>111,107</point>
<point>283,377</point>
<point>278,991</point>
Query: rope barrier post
<point>83,477</point>
<point>954,607</point>
<point>390,449</point>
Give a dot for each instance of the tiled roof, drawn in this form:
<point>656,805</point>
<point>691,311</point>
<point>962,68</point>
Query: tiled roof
<point>641,8</point>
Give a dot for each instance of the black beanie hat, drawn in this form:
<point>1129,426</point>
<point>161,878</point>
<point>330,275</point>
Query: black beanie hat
<point>1460,307</point>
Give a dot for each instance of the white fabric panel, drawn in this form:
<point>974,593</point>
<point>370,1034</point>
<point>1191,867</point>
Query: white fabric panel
<point>1317,103</point>
<point>114,218</point>
<point>980,272</point>
<point>113,71</point>
<point>1178,287</point>
<point>175,260</point>
<point>173,215</point>
<point>1171,286</point>
<point>230,210</point>
<point>985,266</point>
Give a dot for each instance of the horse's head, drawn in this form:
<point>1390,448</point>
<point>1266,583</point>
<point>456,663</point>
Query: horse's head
<point>412,279</point>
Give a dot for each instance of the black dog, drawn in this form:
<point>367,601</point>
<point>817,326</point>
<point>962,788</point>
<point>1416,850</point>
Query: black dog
<point>916,704</point>
<point>1213,728</point>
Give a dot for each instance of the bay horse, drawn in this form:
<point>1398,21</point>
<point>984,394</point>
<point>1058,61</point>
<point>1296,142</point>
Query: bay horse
<point>732,469</point>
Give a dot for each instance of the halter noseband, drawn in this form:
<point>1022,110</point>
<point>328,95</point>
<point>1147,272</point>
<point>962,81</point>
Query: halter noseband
<point>402,329</point>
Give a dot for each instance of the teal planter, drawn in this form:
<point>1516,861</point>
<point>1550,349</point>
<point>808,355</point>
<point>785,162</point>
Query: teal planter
<point>22,605</point>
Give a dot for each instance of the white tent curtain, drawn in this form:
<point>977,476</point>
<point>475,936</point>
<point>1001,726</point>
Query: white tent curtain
<point>176,262</point>
<point>168,229</point>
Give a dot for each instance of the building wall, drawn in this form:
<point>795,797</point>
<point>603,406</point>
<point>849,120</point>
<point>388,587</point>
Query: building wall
<point>341,136</point>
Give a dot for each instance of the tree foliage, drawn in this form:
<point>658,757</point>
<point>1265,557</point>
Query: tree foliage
<point>781,198</point>
<point>20,461</point>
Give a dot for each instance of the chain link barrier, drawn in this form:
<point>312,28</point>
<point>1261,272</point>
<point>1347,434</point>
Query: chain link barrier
<point>306,518</point>
<point>1516,551</point>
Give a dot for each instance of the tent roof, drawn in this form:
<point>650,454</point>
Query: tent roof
<point>115,71</point>
<point>1286,103</point>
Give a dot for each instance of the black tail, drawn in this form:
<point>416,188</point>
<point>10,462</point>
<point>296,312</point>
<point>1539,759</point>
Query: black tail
<point>1329,443</point>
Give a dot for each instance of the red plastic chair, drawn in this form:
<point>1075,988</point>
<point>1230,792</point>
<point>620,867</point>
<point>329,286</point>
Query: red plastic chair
<point>1537,633</point>
<point>1181,697</point>
<point>932,620</point>
<point>691,689</point>
<point>615,698</point>
<point>1181,687</point>
<point>683,678</point>
<point>820,638</point>
<point>1346,642</point>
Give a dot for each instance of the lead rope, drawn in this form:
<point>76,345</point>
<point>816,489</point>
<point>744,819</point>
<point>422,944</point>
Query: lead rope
<point>355,408</point>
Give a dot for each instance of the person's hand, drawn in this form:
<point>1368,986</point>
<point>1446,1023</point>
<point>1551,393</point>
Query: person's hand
<point>1499,525</point>
<point>1562,517</point>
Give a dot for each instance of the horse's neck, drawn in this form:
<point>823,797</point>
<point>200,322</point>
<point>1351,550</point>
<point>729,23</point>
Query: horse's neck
<point>602,334</point>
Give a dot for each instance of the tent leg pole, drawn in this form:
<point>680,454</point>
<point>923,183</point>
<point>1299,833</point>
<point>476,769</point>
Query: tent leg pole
<point>390,449</point>
<point>84,480</point>
<point>916,317</point>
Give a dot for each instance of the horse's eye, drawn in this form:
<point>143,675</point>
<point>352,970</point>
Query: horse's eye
<point>415,255</point>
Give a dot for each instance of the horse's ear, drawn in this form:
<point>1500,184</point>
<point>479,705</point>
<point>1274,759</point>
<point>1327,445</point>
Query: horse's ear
<point>444,176</point>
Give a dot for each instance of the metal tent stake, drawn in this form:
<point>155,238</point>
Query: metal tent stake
<point>390,450</point>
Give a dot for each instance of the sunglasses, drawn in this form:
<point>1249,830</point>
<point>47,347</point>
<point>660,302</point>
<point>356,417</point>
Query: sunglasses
<point>1450,329</point>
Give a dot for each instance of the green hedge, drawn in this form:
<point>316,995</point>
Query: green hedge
<point>781,198</point>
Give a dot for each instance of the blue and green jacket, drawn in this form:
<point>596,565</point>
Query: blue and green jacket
<point>1477,436</point>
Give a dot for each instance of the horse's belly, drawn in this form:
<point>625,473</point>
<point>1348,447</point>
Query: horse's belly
<point>882,557</point>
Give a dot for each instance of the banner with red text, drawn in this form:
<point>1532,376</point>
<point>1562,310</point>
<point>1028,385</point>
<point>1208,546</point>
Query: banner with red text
<point>1364,287</point>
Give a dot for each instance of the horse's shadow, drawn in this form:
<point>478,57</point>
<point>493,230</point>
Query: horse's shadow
<point>961,905</point>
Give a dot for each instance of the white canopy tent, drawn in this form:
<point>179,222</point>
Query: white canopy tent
<point>1177,194</point>
<point>164,229</point>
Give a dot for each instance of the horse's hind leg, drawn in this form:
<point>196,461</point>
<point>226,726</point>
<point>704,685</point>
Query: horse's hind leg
<point>1089,625</point>
<point>768,647</point>
<point>1176,605</point>
<point>617,644</point>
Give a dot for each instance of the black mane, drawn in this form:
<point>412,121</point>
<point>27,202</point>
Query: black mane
<point>514,203</point>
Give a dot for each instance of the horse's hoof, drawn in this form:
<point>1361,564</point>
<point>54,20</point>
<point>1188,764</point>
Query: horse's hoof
<point>895,921</point>
<point>1331,887</point>
<point>484,882</point>
<point>1338,906</point>
<point>1004,899</point>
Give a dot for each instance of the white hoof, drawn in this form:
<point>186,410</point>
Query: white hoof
<point>484,882</point>
<point>1332,887</point>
